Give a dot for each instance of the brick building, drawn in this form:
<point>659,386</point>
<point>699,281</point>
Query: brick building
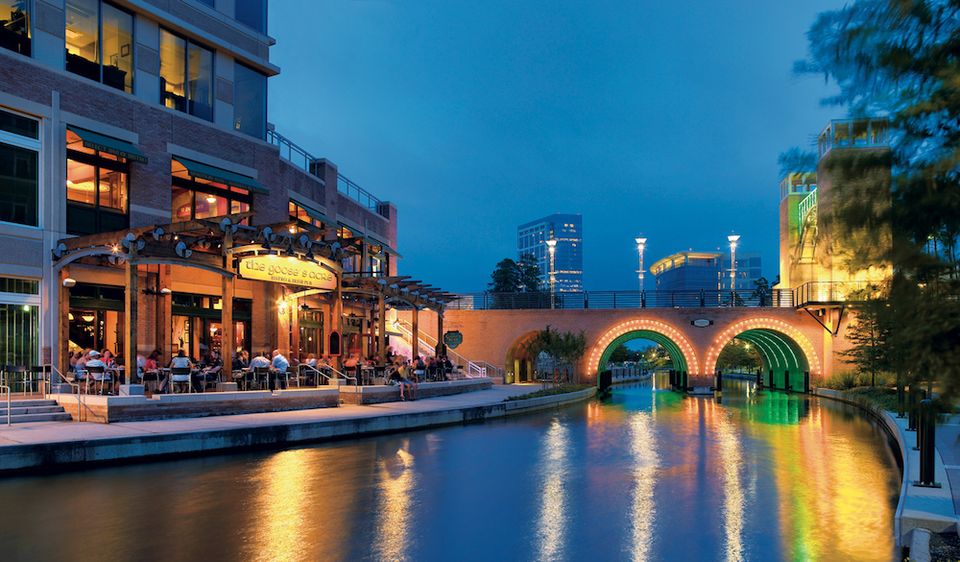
<point>149,117</point>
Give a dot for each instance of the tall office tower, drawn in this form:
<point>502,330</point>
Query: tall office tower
<point>567,230</point>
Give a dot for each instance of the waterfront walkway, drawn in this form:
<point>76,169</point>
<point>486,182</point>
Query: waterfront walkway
<point>51,444</point>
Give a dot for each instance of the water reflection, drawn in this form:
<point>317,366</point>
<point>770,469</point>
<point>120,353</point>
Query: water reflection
<point>553,504</point>
<point>643,446</point>
<point>397,482</point>
<point>731,465</point>
<point>650,475</point>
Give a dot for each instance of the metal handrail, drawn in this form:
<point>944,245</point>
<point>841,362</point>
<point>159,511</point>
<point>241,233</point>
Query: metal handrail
<point>80,400</point>
<point>318,371</point>
<point>408,330</point>
<point>775,298</point>
<point>356,382</point>
<point>6,389</point>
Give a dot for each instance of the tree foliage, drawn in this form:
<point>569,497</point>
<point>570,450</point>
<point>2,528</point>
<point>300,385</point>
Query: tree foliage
<point>899,59</point>
<point>510,276</point>
<point>566,348</point>
<point>869,337</point>
<point>738,356</point>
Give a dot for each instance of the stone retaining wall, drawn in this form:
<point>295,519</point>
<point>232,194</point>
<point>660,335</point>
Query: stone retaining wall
<point>112,409</point>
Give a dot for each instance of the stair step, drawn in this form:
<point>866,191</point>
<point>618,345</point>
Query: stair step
<point>17,411</point>
<point>26,403</point>
<point>56,416</point>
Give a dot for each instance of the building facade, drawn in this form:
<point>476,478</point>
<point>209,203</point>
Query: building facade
<point>706,271</point>
<point>567,230</point>
<point>143,124</point>
<point>853,161</point>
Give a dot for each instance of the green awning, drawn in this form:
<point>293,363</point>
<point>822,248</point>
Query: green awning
<point>212,173</point>
<point>386,247</point>
<point>110,145</point>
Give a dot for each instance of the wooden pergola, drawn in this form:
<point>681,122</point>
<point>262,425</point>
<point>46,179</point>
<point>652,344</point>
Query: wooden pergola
<point>216,245</point>
<point>404,293</point>
<point>210,245</point>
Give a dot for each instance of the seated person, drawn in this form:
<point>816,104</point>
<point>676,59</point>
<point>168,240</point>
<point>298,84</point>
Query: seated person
<point>278,370</point>
<point>179,361</point>
<point>406,386</point>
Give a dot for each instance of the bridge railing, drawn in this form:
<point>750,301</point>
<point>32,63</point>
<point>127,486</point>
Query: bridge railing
<point>779,298</point>
<point>835,292</point>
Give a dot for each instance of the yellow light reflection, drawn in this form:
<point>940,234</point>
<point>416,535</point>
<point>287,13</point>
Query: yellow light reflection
<point>284,506</point>
<point>731,464</point>
<point>397,480</point>
<point>553,516</point>
<point>643,446</point>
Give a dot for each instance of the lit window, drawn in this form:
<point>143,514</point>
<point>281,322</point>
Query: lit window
<point>99,41</point>
<point>186,76</point>
<point>97,188</point>
<point>15,26</point>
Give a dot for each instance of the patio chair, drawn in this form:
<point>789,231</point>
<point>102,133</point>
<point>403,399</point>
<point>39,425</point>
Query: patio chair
<point>293,372</point>
<point>261,373</point>
<point>180,376</point>
<point>97,374</point>
<point>212,376</point>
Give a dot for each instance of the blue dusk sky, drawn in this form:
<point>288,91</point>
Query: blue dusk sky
<point>661,118</point>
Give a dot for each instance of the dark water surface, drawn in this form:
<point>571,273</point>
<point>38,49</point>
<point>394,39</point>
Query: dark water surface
<point>646,476</point>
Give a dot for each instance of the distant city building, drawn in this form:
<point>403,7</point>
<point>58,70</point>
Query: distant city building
<point>568,262</point>
<point>709,271</point>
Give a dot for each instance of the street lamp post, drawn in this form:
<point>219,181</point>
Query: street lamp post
<point>733,239</point>
<point>641,246</point>
<point>552,248</point>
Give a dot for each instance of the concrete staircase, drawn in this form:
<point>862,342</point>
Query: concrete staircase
<point>22,411</point>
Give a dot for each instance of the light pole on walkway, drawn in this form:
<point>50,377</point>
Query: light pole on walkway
<point>552,248</point>
<point>733,239</point>
<point>641,246</point>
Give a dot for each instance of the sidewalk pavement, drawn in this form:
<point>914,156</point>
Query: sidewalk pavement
<point>38,433</point>
<point>948,443</point>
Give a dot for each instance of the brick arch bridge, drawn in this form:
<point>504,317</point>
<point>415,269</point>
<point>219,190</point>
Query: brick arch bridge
<point>788,339</point>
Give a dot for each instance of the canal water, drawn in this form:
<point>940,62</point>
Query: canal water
<point>646,475</point>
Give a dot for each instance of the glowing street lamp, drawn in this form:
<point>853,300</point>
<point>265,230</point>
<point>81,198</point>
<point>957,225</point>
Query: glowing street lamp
<point>552,248</point>
<point>641,246</point>
<point>733,239</point>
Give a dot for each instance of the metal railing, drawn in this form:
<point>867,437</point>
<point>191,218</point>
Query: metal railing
<point>51,370</point>
<point>6,389</point>
<point>292,152</point>
<point>806,205</point>
<point>833,292</point>
<point>777,298</point>
<point>316,372</point>
<point>360,195</point>
<point>479,367</point>
<point>356,381</point>
<point>302,159</point>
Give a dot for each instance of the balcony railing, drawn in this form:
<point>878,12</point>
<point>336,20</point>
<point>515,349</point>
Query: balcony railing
<point>299,157</point>
<point>779,298</point>
<point>360,195</point>
<point>292,152</point>
<point>837,292</point>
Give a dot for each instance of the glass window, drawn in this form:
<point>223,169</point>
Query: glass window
<point>19,286</point>
<point>197,198</point>
<point>200,69</point>
<point>18,184</point>
<point>100,33</point>
<point>19,334</point>
<point>117,40</point>
<point>96,189</point>
<point>19,125</point>
<point>83,50</point>
<point>252,13</point>
<point>173,71</point>
<point>249,101</point>
<point>15,26</point>
<point>186,76</point>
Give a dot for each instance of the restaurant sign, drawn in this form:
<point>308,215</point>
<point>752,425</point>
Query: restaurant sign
<point>453,339</point>
<point>288,271</point>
